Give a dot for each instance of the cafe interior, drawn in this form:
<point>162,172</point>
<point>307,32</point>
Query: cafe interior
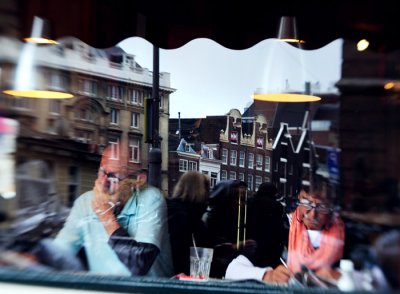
<point>367,126</point>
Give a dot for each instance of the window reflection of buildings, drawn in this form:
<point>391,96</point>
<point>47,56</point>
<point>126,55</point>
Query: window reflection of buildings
<point>108,106</point>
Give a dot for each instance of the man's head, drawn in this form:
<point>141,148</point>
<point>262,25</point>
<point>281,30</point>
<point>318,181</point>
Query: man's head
<point>116,176</point>
<point>315,204</point>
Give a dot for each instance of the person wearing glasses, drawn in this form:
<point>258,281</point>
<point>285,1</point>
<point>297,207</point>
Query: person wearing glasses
<point>121,224</point>
<point>316,239</point>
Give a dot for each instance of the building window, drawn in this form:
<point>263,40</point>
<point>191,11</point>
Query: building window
<point>55,106</point>
<point>161,102</point>
<point>188,147</point>
<point>259,159</point>
<point>242,158</point>
<point>134,120</point>
<point>58,82</point>
<point>83,114</point>
<point>232,175</point>
<point>267,180</point>
<point>114,92</point>
<point>210,153</point>
<point>183,165</point>
<point>250,182</point>
<point>224,175</point>
<point>134,150</point>
<point>213,179</point>
<point>83,136</point>
<point>193,165</point>
<point>258,182</point>
<point>233,157</point>
<point>135,97</point>
<point>21,103</point>
<point>267,164</point>
<point>251,160</point>
<point>114,116</point>
<point>114,143</point>
<point>88,87</point>
<point>291,169</point>
<point>241,177</point>
<point>224,156</point>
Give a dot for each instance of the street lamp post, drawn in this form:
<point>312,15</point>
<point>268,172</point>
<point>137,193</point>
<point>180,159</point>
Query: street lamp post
<point>152,125</point>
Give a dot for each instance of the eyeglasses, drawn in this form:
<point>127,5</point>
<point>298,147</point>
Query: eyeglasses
<point>321,208</point>
<point>117,176</point>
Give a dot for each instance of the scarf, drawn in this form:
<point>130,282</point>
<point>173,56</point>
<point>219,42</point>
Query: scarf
<point>301,251</point>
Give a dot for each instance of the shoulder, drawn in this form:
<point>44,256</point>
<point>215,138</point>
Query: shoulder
<point>84,198</point>
<point>151,195</point>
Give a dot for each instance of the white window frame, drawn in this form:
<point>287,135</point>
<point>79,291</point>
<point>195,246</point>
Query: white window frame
<point>267,162</point>
<point>232,175</point>
<point>134,150</point>
<point>233,159</point>
<point>115,92</point>
<point>224,156</point>
<point>192,165</point>
<point>241,177</point>
<point>250,182</point>
<point>242,158</point>
<point>183,165</point>
<point>135,119</point>
<point>114,116</point>
<point>114,148</point>
<point>259,161</point>
<point>213,179</point>
<point>258,182</point>
<point>251,160</point>
<point>224,175</point>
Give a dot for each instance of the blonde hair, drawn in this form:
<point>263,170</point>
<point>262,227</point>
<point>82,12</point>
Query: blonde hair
<point>192,186</point>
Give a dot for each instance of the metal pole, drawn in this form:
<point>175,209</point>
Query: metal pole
<point>153,121</point>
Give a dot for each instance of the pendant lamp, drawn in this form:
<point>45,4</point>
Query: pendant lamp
<point>285,70</point>
<point>27,82</point>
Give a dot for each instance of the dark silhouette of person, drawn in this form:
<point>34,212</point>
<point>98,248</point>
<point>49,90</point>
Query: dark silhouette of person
<point>265,226</point>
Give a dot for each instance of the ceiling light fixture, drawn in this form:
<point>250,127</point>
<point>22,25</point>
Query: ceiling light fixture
<point>40,33</point>
<point>287,31</point>
<point>284,74</point>
<point>27,81</point>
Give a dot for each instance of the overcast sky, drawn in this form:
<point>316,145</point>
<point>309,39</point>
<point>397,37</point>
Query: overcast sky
<point>210,79</point>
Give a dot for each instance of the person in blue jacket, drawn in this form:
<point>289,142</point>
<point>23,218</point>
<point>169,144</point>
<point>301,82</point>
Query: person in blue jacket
<point>121,224</point>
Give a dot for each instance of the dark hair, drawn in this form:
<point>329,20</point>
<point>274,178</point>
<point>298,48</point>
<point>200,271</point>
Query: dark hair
<point>319,187</point>
<point>267,190</point>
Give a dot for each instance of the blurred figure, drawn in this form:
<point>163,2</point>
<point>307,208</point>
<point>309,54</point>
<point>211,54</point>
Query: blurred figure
<point>265,226</point>
<point>185,209</point>
<point>225,219</point>
<point>316,240</point>
<point>121,224</point>
<point>387,250</point>
<point>316,235</point>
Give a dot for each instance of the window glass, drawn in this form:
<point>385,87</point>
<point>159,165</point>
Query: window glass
<point>206,121</point>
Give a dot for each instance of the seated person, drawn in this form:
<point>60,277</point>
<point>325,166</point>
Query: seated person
<point>186,207</point>
<point>121,224</point>
<point>316,239</point>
